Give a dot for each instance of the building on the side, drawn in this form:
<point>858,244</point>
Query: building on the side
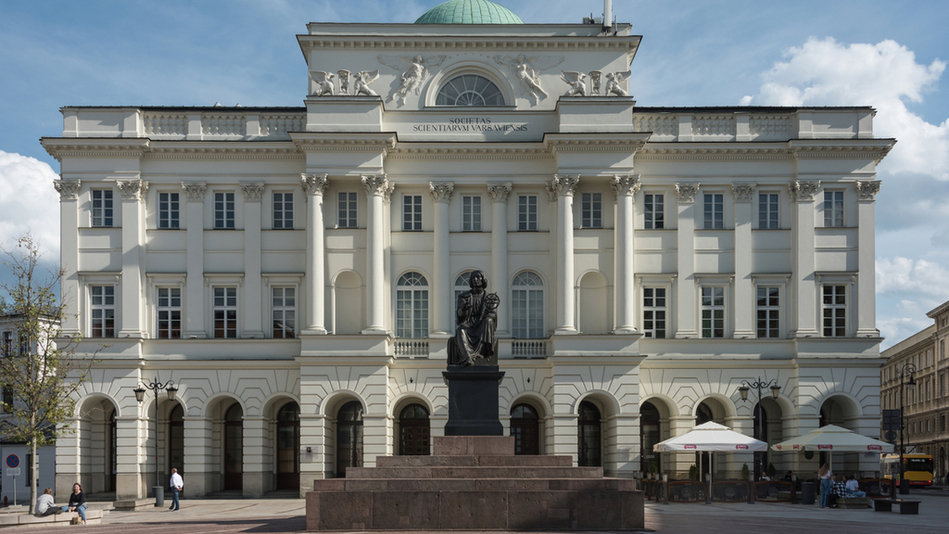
<point>294,270</point>
<point>927,404</point>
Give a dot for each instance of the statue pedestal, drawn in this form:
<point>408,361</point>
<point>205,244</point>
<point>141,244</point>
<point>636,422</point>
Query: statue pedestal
<point>473,400</point>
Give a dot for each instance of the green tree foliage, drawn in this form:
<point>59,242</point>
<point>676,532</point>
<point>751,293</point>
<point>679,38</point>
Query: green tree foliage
<point>40,371</point>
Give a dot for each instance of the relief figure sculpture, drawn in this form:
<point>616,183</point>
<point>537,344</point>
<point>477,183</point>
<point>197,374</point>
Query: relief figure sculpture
<point>477,317</point>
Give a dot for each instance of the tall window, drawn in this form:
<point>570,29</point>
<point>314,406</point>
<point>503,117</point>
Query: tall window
<point>168,210</point>
<point>835,310</point>
<point>588,435</point>
<point>654,212</point>
<point>7,399</point>
<point>768,211</point>
<point>346,209</point>
<point>470,214</point>
<point>411,306</point>
<point>527,306</point>
<point>527,213</point>
<point>283,312</point>
<point>169,313</point>
<point>833,208</point>
<point>768,311</point>
<point>103,311</point>
<point>225,312</point>
<point>654,312</point>
<point>283,211</point>
<point>713,312</point>
<point>412,212</point>
<point>714,211</point>
<point>591,211</point>
<point>224,210</point>
<point>101,207</point>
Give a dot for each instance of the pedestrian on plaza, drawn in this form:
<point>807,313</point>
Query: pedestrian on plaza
<point>826,485</point>
<point>77,502</point>
<point>853,488</point>
<point>44,504</point>
<point>838,489</point>
<point>177,484</point>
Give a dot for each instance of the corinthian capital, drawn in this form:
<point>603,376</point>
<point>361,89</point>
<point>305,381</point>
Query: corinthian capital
<point>499,192</point>
<point>67,189</point>
<point>441,192</point>
<point>252,192</point>
<point>686,192</point>
<point>803,191</point>
<point>564,184</point>
<point>314,184</point>
<point>625,185</point>
<point>194,190</point>
<point>132,189</point>
<point>867,190</point>
<point>378,185</point>
<point>743,192</point>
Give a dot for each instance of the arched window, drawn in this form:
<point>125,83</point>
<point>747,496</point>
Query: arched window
<point>414,431</point>
<point>411,306</point>
<point>527,306</point>
<point>588,436</point>
<point>348,437</point>
<point>525,428</point>
<point>469,90</point>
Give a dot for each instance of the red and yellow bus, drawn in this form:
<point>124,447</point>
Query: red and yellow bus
<point>918,468</point>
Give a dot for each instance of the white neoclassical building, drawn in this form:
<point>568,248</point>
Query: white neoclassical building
<point>293,270</point>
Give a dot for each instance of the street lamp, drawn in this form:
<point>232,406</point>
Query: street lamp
<point>760,385</point>
<point>157,386</point>
<point>910,369</point>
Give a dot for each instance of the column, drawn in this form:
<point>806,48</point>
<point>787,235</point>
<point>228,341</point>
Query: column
<point>69,254</point>
<point>744,285</point>
<point>625,187</point>
<point>194,294</point>
<point>378,189</point>
<point>500,279</point>
<point>565,185</point>
<point>802,246</point>
<point>314,187</point>
<point>866,286</point>
<point>441,272</point>
<point>253,322</point>
<point>685,260</point>
<point>133,241</point>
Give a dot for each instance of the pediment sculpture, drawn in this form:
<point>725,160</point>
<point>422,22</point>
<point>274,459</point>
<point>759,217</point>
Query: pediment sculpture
<point>527,71</point>
<point>415,70</point>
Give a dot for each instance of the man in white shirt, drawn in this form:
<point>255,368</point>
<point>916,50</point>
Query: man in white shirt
<point>177,484</point>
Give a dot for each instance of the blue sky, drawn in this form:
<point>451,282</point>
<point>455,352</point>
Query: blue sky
<point>845,52</point>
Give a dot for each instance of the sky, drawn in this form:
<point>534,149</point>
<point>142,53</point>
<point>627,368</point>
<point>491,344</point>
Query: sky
<point>892,57</point>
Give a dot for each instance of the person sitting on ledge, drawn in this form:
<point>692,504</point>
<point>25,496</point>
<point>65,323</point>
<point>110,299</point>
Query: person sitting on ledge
<point>44,504</point>
<point>476,313</point>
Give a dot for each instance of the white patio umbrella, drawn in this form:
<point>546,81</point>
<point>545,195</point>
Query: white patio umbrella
<point>711,437</point>
<point>832,439</point>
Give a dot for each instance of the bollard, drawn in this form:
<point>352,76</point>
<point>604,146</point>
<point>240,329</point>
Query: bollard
<point>793,486</point>
<point>665,493</point>
<point>751,489</point>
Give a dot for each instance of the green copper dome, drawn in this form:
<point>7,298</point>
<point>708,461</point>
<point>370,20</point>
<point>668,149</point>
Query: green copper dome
<point>469,12</point>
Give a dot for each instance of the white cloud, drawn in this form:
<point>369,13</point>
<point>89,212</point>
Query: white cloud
<point>28,203</point>
<point>904,276</point>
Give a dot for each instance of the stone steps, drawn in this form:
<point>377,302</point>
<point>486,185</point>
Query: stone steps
<point>479,460</point>
<point>489,484</point>
<point>474,472</point>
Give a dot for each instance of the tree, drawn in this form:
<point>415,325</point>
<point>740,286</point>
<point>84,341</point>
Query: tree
<point>40,371</point>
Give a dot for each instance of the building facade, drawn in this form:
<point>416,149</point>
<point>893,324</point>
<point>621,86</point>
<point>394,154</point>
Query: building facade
<point>293,270</point>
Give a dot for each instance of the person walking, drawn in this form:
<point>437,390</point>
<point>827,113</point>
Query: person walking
<point>177,484</point>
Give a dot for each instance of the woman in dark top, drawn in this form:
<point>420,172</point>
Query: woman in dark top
<point>77,502</point>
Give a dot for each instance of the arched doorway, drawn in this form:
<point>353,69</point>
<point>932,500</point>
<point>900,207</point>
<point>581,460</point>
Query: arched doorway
<point>649,435</point>
<point>414,431</point>
<point>839,410</point>
<point>234,448</point>
<point>113,443</point>
<point>96,435</point>
<point>288,447</point>
<point>525,427</point>
<point>176,439</point>
<point>348,437</point>
<point>708,410</point>
<point>589,436</point>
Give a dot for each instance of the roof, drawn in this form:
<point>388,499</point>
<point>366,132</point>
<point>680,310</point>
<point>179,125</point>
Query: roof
<point>469,12</point>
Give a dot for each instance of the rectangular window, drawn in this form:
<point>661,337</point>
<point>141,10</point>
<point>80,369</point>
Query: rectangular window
<point>768,312</point>
<point>168,210</point>
<point>768,211</point>
<point>101,207</point>
<point>346,210</point>
<point>412,213</point>
<point>103,311</point>
<point>225,312</point>
<point>654,212</point>
<point>591,212</point>
<point>283,211</point>
<point>654,312</point>
<point>833,208</point>
<point>714,211</point>
<point>713,312</point>
<point>527,313</point>
<point>284,312</point>
<point>411,313</point>
<point>527,213</point>
<point>8,344</point>
<point>169,313</point>
<point>470,214</point>
<point>224,210</point>
<point>835,310</point>
<point>7,399</point>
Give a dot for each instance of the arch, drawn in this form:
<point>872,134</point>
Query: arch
<point>215,402</point>
<point>332,402</point>
<point>409,397</point>
<point>348,302</point>
<point>469,90</point>
<point>467,67</point>
<point>414,430</point>
<point>666,406</point>
<point>96,398</point>
<point>839,408</point>
<point>95,422</point>
<point>539,401</point>
<point>723,407</point>
<point>276,400</point>
<point>606,401</point>
<point>593,308</point>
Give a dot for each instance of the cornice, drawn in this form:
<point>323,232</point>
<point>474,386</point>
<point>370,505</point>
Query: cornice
<point>532,43</point>
<point>344,141</point>
<point>59,147</point>
<point>596,142</point>
<point>405,152</point>
<point>669,152</point>
<point>841,148</point>
<point>178,150</point>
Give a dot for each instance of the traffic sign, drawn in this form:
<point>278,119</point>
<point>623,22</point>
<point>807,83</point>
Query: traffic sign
<point>13,460</point>
<point>13,471</point>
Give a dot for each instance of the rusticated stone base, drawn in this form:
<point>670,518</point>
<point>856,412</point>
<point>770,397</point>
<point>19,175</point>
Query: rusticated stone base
<point>474,483</point>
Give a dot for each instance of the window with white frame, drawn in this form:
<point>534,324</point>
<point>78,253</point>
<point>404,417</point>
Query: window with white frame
<point>834,305</point>
<point>283,211</point>
<point>169,312</point>
<point>102,207</point>
<point>225,312</point>
<point>833,208</point>
<point>591,210</point>
<point>713,311</point>
<point>224,211</point>
<point>8,343</point>
<point>411,306</point>
<point>527,306</point>
<point>169,210</point>
<point>346,209</point>
<point>283,312</point>
<point>768,211</point>
<point>714,211</point>
<point>654,312</point>
<point>102,306</point>
<point>654,211</point>
<point>411,213</point>
<point>470,213</point>
<point>769,311</point>
<point>527,213</point>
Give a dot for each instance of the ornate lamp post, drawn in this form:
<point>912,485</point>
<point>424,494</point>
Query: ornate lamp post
<point>905,369</point>
<point>760,385</point>
<point>157,386</point>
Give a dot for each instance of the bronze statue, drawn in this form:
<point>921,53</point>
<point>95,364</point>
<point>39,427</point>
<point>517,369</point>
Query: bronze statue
<point>476,311</point>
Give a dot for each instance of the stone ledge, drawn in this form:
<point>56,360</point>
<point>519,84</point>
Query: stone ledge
<point>93,517</point>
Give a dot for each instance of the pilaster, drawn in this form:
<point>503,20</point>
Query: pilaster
<point>314,187</point>
<point>441,290</point>
<point>69,254</point>
<point>499,276</point>
<point>378,189</point>
<point>866,286</point>
<point>256,462</point>
<point>198,463</point>
<point>744,285</point>
<point>565,186</point>
<point>802,245</point>
<point>194,301</point>
<point>133,256</point>
<point>685,260</point>
<point>625,187</point>
<point>253,322</point>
